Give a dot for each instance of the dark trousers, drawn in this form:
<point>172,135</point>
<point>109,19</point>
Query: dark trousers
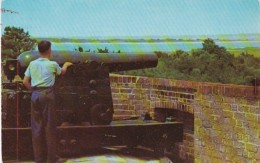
<point>43,124</point>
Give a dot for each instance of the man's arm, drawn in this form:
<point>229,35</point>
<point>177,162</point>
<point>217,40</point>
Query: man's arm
<point>64,67</point>
<point>27,82</point>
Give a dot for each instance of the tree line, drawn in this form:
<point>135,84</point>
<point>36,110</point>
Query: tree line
<point>211,63</point>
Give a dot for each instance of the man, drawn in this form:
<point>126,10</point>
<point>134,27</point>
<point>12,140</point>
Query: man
<point>40,78</point>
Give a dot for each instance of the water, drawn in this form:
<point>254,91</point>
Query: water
<point>149,47</point>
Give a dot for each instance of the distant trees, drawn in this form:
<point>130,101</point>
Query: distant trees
<point>80,49</point>
<point>248,67</point>
<point>15,41</point>
<point>211,63</point>
<point>214,63</point>
<point>103,50</point>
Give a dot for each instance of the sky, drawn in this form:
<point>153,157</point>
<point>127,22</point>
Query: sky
<point>117,18</point>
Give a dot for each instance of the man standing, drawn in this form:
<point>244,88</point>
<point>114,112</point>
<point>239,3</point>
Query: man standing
<point>40,78</point>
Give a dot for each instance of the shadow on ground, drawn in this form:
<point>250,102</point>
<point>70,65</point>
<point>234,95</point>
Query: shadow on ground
<point>111,155</point>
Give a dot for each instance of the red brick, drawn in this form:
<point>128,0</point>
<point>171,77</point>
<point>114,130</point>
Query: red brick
<point>258,155</point>
<point>251,117</point>
<point>228,114</point>
<point>207,89</point>
<point>127,79</point>
<point>125,90</point>
<point>252,147</point>
<point>115,90</point>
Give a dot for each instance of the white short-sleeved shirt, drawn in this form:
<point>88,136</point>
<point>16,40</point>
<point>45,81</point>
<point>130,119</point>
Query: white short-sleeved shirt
<point>42,72</point>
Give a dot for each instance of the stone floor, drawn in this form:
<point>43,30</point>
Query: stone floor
<point>112,155</point>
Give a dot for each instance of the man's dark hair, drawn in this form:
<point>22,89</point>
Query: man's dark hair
<point>43,46</point>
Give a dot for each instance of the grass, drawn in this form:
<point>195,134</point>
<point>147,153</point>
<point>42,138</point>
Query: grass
<point>250,50</point>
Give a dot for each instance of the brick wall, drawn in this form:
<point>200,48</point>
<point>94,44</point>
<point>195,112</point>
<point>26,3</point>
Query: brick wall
<point>225,118</point>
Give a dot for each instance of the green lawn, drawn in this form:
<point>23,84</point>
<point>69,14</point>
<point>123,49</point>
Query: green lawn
<point>252,50</point>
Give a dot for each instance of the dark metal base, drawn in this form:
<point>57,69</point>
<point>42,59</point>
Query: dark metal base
<point>75,139</point>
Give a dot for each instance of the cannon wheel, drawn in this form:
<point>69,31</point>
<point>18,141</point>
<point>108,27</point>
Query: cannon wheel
<point>101,114</point>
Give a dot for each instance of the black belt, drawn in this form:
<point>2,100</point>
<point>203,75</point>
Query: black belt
<point>41,88</point>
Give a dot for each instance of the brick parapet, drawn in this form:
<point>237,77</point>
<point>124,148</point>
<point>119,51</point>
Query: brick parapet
<point>228,90</point>
<point>226,116</point>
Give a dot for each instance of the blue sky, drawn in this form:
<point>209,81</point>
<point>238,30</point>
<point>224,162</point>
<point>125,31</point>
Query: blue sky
<point>114,18</point>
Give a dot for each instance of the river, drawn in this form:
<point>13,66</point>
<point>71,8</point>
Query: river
<point>149,47</point>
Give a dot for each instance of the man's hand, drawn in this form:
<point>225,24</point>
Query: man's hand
<point>65,66</point>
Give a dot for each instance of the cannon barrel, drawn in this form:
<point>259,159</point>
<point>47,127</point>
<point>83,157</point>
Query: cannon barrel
<point>115,61</point>
<point>84,94</point>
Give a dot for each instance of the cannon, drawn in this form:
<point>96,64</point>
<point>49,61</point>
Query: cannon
<point>114,61</point>
<point>83,94</point>
<point>84,105</point>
